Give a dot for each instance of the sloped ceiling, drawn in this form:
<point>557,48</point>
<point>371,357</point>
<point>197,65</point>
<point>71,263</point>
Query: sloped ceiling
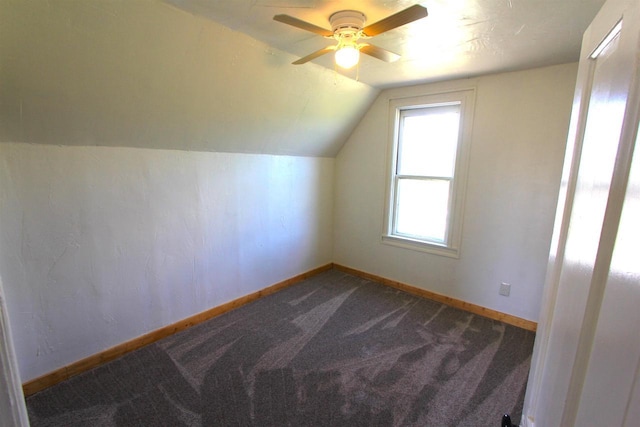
<point>145,74</point>
<point>459,38</point>
<point>216,75</point>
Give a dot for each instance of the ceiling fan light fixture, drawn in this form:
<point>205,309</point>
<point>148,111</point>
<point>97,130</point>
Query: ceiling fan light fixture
<point>347,56</point>
<point>347,28</point>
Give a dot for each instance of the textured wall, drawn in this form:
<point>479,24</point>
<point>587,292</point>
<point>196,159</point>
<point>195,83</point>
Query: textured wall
<point>99,245</point>
<point>517,147</point>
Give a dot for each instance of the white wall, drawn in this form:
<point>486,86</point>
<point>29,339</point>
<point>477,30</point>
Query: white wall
<point>99,245</point>
<point>518,138</point>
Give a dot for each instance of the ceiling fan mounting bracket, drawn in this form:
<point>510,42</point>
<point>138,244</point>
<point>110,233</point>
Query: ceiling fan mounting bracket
<point>347,21</point>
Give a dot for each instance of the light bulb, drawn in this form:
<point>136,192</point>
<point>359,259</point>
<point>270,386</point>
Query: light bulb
<point>347,56</point>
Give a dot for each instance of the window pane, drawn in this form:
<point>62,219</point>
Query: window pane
<point>422,208</point>
<point>429,141</point>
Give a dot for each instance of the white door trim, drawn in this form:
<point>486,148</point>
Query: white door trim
<point>543,386</point>
<point>12,407</point>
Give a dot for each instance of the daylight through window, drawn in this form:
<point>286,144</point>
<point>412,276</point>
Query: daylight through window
<point>427,172</point>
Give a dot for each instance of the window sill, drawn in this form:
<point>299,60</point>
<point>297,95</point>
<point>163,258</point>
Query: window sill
<point>418,245</point>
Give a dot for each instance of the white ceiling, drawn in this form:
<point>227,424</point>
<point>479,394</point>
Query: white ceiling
<point>459,38</point>
<point>145,74</point>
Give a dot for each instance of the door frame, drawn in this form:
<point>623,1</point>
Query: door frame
<point>612,12</point>
<point>13,411</point>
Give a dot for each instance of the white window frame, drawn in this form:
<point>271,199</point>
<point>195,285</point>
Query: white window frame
<point>451,246</point>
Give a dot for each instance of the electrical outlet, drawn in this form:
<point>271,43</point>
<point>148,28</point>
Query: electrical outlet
<point>505,289</point>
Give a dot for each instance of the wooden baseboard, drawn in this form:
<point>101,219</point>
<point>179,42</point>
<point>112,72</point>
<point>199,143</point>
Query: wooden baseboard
<point>66,372</point>
<point>452,302</point>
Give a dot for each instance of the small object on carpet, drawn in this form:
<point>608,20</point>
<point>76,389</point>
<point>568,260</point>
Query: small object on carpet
<point>506,421</point>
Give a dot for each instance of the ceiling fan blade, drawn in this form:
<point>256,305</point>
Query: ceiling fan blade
<point>314,55</point>
<point>399,19</point>
<point>380,53</point>
<point>286,19</point>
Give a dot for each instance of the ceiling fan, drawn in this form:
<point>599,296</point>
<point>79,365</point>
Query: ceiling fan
<point>347,28</point>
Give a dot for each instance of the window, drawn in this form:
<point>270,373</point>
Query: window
<point>429,151</point>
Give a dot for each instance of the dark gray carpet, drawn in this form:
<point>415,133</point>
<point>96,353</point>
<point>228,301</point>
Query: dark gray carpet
<point>334,350</point>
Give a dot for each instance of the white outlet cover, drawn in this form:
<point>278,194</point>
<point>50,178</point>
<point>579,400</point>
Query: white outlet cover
<point>505,289</point>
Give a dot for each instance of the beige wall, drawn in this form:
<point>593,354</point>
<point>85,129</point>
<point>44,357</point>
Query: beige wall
<point>518,139</point>
<point>96,239</point>
<point>99,245</point>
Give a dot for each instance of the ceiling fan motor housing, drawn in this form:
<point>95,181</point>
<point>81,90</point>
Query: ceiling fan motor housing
<point>347,21</point>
